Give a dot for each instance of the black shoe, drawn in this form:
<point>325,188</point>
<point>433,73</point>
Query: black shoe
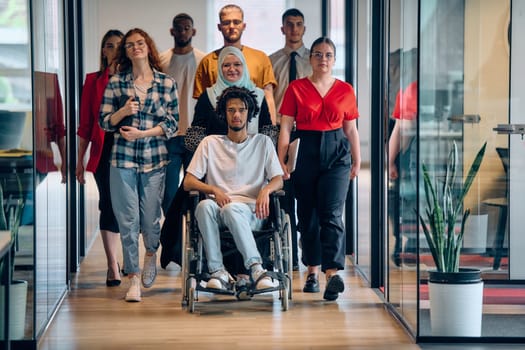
<point>334,286</point>
<point>312,284</point>
<point>111,283</point>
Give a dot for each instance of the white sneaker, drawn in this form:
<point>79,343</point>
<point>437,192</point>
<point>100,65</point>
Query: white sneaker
<point>264,282</point>
<point>133,293</point>
<point>149,270</point>
<point>220,279</point>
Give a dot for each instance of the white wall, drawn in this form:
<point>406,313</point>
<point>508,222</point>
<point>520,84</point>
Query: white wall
<point>517,168</point>
<point>154,16</point>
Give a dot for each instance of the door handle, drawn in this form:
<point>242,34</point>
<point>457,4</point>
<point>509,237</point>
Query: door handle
<point>466,118</point>
<point>509,129</point>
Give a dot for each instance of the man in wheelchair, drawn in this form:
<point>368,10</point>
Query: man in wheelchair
<point>237,172</point>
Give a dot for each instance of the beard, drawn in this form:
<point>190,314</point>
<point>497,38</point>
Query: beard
<point>232,39</point>
<point>236,128</point>
<point>182,43</point>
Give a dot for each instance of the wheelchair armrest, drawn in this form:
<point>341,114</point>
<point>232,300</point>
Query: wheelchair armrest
<point>279,193</point>
<point>194,193</point>
<point>193,199</point>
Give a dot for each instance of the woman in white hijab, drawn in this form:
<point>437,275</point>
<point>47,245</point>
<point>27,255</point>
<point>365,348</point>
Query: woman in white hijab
<point>232,72</point>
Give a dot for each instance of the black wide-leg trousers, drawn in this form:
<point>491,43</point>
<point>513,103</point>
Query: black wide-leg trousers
<point>321,180</point>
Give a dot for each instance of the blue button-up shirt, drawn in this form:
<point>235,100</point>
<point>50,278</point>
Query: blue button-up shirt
<point>160,108</point>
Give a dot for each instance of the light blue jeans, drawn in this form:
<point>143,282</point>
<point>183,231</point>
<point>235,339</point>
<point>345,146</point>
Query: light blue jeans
<point>240,220</point>
<point>136,199</point>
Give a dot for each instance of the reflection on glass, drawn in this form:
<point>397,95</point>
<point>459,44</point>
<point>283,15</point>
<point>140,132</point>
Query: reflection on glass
<point>465,79</point>
<point>16,161</point>
<point>402,159</point>
<point>50,193</point>
<point>49,125</point>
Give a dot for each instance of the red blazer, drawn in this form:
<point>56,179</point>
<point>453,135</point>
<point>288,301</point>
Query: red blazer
<point>49,119</point>
<point>89,128</point>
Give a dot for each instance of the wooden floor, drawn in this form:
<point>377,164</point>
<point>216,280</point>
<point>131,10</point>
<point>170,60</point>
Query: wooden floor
<point>96,317</point>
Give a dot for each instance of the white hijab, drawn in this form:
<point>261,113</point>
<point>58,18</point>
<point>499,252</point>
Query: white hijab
<point>216,90</point>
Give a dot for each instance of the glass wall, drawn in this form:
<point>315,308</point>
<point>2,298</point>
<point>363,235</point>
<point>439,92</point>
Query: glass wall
<point>457,85</point>
<point>402,157</point>
<point>50,158</point>
<point>16,162</point>
<point>32,161</point>
<point>362,81</point>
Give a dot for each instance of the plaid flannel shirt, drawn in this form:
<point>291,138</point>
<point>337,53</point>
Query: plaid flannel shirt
<point>159,109</point>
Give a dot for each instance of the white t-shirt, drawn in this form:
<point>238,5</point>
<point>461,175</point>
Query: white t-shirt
<point>182,68</point>
<point>239,169</point>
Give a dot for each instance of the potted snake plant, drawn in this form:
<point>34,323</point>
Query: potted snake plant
<point>456,294</point>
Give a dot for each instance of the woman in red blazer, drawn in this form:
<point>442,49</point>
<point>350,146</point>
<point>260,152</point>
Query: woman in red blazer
<point>101,144</point>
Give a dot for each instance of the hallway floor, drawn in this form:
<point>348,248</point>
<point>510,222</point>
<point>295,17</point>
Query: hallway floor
<point>94,316</point>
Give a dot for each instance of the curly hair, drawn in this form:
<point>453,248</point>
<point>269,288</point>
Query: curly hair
<point>246,96</point>
<point>153,55</point>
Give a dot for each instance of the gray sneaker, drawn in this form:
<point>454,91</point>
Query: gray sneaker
<point>220,279</point>
<point>149,270</point>
<point>261,280</point>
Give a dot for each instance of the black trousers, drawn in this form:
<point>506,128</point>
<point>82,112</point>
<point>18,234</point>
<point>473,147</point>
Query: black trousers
<point>107,220</point>
<point>321,180</point>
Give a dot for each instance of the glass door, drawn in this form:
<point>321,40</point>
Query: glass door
<point>456,78</point>
<point>470,93</point>
<point>402,154</point>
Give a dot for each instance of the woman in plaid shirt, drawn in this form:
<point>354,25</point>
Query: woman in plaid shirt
<point>140,106</point>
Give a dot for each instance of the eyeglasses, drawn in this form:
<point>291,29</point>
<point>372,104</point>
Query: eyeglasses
<point>130,45</point>
<point>320,55</point>
<point>227,23</point>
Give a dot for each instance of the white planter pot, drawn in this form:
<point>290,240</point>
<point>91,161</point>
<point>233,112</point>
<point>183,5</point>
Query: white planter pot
<point>17,310</point>
<point>456,308</point>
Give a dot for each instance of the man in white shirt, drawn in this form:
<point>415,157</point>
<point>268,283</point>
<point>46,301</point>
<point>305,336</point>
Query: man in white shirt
<point>180,62</point>
<point>238,192</point>
<point>293,29</point>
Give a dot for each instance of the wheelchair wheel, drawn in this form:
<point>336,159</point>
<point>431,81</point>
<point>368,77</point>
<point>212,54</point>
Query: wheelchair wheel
<point>191,300</point>
<point>285,295</point>
<point>186,258</point>
<point>286,237</point>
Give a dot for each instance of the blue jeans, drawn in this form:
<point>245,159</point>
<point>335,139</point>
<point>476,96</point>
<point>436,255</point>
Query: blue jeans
<point>179,156</point>
<point>240,220</point>
<point>136,199</point>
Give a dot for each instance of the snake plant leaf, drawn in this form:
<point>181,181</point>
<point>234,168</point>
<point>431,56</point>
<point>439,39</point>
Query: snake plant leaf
<point>443,208</point>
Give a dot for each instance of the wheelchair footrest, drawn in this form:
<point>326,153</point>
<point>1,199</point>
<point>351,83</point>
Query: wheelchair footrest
<point>215,291</point>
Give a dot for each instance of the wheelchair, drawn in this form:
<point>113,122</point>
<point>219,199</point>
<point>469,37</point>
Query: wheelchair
<point>276,236</point>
